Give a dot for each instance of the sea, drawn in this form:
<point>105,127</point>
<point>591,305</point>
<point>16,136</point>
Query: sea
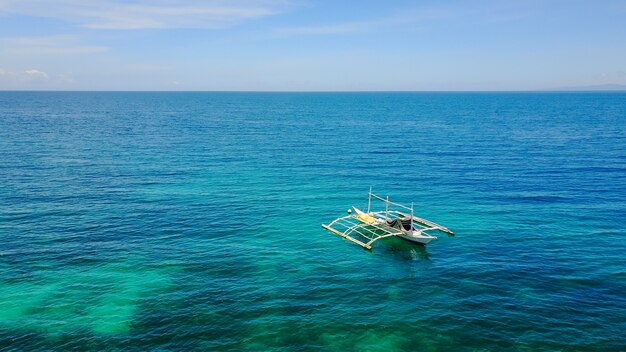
<point>190,221</point>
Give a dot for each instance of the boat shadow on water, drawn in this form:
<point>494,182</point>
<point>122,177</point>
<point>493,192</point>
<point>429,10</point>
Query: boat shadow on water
<point>403,250</point>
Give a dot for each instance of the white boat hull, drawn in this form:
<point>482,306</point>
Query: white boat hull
<point>417,238</point>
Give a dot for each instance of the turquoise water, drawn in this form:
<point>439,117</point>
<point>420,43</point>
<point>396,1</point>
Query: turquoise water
<point>191,221</point>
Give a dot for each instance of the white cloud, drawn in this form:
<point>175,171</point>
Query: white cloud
<point>144,14</point>
<point>34,74</point>
<point>33,78</point>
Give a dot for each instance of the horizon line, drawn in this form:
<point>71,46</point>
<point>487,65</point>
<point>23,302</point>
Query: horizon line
<point>564,90</point>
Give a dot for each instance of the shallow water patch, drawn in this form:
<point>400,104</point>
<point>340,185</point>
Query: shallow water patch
<point>102,299</point>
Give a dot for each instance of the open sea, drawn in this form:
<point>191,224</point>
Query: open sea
<point>191,221</point>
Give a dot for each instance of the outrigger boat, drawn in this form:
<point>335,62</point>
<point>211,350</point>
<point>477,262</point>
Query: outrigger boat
<point>368,227</point>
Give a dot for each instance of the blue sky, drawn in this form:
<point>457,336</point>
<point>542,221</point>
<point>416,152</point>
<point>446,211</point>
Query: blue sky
<point>307,45</point>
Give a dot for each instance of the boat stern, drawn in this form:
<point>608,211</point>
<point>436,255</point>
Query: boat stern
<point>418,237</point>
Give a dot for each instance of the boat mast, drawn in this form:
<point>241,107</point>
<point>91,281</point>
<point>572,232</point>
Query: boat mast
<point>411,216</point>
<point>369,200</point>
<point>387,208</point>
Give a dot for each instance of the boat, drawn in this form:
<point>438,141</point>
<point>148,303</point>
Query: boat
<point>396,220</point>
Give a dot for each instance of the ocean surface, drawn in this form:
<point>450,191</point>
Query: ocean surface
<point>191,221</point>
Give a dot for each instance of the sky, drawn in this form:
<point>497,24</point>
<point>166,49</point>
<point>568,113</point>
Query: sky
<point>311,45</point>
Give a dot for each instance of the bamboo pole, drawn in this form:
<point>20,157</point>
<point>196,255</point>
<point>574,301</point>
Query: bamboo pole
<point>364,245</point>
<point>430,223</point>
<point>390,202</point>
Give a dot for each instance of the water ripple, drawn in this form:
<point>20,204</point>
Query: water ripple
<point>190,221</point>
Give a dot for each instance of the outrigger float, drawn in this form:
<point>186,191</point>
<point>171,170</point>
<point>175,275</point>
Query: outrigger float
<point>371,226</point>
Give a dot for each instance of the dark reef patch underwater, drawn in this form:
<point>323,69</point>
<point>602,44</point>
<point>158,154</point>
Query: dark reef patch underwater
<point>191,221</point>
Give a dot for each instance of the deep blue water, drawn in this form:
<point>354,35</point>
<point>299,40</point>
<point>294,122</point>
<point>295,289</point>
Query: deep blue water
<point>191,221</point>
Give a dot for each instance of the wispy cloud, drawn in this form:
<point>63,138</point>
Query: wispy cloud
<point>45,45</point>
<point>410,17</point>
<point>144,14</point>
<point>351,27</point>
<point>66,78</point>
<point>420,16</point>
